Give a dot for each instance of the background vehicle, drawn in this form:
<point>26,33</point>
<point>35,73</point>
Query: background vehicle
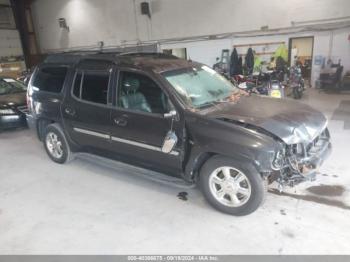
<point>296,82</point>
<point>178,117</point>
<point>13,107</point>
<point>273,83</point>
<point>250,84</point>
<point>24,77</point>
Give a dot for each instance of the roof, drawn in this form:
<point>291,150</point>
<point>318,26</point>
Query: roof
<point>157,62</point>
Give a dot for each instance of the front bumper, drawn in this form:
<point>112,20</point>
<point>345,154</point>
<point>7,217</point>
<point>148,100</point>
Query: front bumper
<point>304,166</point>
<point>312,165</point>
<point>12,121</point>
<point>318,159</point>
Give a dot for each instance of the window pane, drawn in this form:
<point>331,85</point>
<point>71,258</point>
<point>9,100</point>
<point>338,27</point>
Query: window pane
<point>4,88</point>
<point>140,93</point>
<point>76,88</point>
<point>95,88</point>
<point>50,79</point>
<point>11,86</point>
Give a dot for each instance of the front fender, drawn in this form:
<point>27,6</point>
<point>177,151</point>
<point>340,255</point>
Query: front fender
<point>208,137</point>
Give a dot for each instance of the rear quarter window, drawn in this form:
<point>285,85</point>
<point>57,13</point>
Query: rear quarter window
<point>50,79</point>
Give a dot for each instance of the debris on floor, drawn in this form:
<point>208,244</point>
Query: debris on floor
<point>183,196</point>
<point>283,212</point>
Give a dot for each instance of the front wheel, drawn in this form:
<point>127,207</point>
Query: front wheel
<point>231,186</point>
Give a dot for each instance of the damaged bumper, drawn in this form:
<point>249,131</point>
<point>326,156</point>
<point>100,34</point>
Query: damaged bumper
<point>303,160</point>
<point>309,169</point>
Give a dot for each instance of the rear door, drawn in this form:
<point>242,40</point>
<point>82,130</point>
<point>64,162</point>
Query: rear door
<point>138,125</point>
<point>86,108</point>
<point>46,90</point>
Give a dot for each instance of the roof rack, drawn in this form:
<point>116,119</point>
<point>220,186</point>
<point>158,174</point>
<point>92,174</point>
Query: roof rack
<point>158,54</point>
<point>75,56</point>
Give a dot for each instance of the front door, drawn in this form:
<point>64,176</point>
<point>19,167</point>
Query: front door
<point>138,125</point>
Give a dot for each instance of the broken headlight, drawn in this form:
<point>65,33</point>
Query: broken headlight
<point>297,149</point>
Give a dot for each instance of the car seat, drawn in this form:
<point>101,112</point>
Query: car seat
<point>131,98</point>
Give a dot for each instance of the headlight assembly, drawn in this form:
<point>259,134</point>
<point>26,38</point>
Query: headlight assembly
<point>278,161</point>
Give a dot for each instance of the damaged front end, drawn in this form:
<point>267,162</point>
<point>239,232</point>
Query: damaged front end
<point>296,163</point>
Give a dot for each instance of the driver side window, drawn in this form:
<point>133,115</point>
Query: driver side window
<point>140,93</point>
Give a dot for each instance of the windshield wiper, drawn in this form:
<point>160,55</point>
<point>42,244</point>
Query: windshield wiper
<point>213,103</point>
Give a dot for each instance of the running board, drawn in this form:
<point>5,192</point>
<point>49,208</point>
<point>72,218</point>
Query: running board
<point>133,170</point>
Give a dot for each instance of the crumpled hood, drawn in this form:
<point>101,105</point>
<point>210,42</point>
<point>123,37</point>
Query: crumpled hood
<point>12,100</point>
<point>291,121</point>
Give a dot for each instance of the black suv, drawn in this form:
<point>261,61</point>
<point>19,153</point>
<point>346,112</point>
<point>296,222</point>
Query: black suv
<point>176,117</point>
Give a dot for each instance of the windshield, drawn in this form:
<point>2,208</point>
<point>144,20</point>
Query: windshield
<point>200,86</point>
<point>11,86</point>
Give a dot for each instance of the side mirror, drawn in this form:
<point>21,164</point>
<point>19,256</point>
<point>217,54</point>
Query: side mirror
<point>171,114</point>
<point>170,142</point>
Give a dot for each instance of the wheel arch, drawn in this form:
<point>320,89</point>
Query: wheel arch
<point>197,160</point>
<point>41,125</point>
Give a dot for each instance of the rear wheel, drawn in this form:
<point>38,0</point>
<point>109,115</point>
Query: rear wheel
<point>56,145</point>
<point>232,187</point>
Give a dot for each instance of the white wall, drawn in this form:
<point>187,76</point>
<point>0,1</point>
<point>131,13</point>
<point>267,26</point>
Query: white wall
<point>336,47</point>
<point>114,21</point>
<point>89,21</point>
<point>205,52</point>
<point>10,44</point>
<point>119,22</point>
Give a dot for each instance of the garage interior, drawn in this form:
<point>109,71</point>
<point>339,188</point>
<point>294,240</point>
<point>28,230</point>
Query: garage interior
<point>96,206</point>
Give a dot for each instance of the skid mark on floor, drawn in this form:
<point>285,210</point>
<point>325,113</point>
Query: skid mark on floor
<point>327,190</point>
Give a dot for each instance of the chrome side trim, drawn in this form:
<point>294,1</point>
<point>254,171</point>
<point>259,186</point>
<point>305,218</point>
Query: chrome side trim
<point>121,140</point>
<point>92,133</point>
<point>134,143</point>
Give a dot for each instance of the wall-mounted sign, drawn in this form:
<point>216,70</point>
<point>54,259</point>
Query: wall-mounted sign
<point>318,60</point>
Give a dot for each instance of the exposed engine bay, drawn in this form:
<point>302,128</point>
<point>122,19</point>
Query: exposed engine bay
<point>294,163</point>
<point>299,162</point>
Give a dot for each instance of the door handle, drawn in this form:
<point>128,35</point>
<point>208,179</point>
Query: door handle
<point>69,111</point>
<point>120,121</point>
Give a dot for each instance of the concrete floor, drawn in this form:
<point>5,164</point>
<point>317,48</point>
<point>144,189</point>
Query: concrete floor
<point>88,208</point>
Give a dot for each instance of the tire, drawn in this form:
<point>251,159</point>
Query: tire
<point>253,187</point>
<point>58,150</point>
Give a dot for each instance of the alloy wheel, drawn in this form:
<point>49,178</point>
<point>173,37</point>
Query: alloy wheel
<point>54,145</point>
<point>230,186</point>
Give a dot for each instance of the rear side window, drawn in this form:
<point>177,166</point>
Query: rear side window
<point>50,79</point>
<point>91,87</point>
